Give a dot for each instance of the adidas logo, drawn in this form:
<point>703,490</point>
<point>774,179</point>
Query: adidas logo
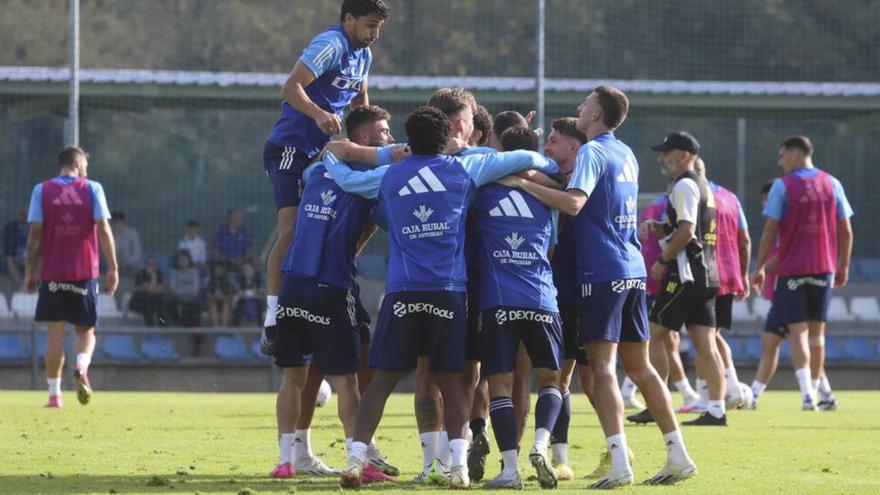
<point>423,213</point>
<point>514,205</point>
<point>67,218</point>
<point>67,197</point>
<point>630,204</point>
<point>514,240</point>
<point>328,197</point>
<point>630,171</point>
<point>424,182</point>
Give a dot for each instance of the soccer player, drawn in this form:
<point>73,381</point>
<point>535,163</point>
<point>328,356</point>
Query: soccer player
<point>503,121</point>
<point>366,125</point>
<point>425,200</point>
<point>808,210</point>
<point>69,219</point>
<point>602,197</point>
<point>482,127</point>
<point>330,75</point>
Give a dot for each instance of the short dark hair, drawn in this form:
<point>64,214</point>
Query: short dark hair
<point>519,137</point>
<point>452,101</point>
<point>614,105</point>
<point>507,119</point>
<point>186,253</point>
<point>801,143</point>
<point>483,123</point>
<point>363,115</point>
<point>765,189</point>
<point>360,8</point>
<point>427,130</point>
<point>69,155</point>
<point>567,126</point>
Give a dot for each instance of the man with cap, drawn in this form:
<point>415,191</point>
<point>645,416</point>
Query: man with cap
<point>687,271</point>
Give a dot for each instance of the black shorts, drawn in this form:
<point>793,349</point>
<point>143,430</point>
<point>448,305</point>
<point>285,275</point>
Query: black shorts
<point>573,349</point>
<point>724,311</point>
<point>474,322</point>
<point>361,315</point>
<point>75,302</point>
<point>284,167</point>
<point>680,304</point>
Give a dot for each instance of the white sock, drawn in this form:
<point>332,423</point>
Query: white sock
<point>758,388</point>
<point>676,453</point>
<point>302,445</point>
<point>511,463</point>
<point>348,442</point>
<point>628,388</point>
<point>684,387</point>
<point>816,384</point>
<point>825,388</point>
<point>803,378</point>
<point>732,382</point>
<point>271,308</point>
<point>54,386</point>
<point>284,448</point>
<point>542,438</point>
<point>443,452</point>
<point>617,446</point>
<point>358,450</point>
<point>83,361</point>
<point>458,447</point>
<point>715,408</point>
<point>703,392</point>
<point>429,446</point>
<point>560,453</point>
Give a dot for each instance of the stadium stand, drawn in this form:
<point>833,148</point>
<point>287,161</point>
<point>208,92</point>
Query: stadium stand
<point>121,347</point>
<point>231,348</point>
<point>159,348</point>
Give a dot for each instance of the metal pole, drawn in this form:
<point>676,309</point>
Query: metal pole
<point>72,128</point>
<point>741,159</point>
<point>539,69</point>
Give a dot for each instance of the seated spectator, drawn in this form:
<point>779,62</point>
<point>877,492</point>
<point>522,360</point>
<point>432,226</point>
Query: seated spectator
<point>219,291</point>
<point>193,243</point>
<point>128,245</point>
<point>232,243</point>
<point>250,305</point>
<point>184,291</point>
<point>15,235</point>
<point>148,297</point>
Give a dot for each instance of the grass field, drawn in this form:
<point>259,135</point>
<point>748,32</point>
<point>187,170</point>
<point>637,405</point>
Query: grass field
<point>130,443</point>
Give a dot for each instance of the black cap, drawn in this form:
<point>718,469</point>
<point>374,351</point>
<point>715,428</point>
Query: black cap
<point>679,140</point>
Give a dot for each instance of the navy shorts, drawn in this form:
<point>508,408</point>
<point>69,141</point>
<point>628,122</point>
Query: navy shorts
<point>361,315</point>
<point>680,304</point>
<point>802,298</point>
<point>505,327</point>
<point>572,346</point>
<point>772,324</point>
<point>284,167</point>
<point>473,318</point>
<point>75,302</point>
<point>724,311</point>
<point>316,324</point>
<point>613,311</point>
<point>421,323</point>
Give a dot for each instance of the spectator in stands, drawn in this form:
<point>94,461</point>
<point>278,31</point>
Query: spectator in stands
<point>148,298</point>
<point>249,307</point>
<point>184,291</point>
<point>14,243</point>
<point>219,291</point>
<point>193,243</point>
<point>232,243</point>
<point>128,245</point>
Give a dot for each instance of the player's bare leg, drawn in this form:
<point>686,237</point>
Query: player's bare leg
<point>827,402</point>
<point>54,361</point>
<point>559,439</point>
<point>285,222</point>
<point>428,405</point>
<point>798,337</point>
<point>709,366</point>
<point>83,348</point>
<point>677,376</point>
<point>365,373</point>
<point>770,343</point>
<point>522,391</point>
<point>302,456</point>
<point>287,409</point>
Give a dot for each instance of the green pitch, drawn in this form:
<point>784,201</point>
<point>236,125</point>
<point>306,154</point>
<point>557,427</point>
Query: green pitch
<point>130,443</point>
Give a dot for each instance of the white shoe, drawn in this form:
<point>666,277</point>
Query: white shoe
<point>543,467</point>
<point>809,405</point>
<point>614,479</point>
<point>505,481</point>
<point>312,466</point>
<point>673,473</point>
<point>734,401</point>
<point>691,399</point>
<point>458,478</point>
<point>423,476</point>
<point>630,402</point>
<point>351,475</point>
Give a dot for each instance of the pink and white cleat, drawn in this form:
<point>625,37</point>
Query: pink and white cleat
<point>692,409</point>
<point>372,475</point>
<point>283,471</point>
<point>83,388</point>
<point>54,402</point>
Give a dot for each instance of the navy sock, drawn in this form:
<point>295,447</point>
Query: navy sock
<point>478,425</point>
<point>547,408</point>
<point>503,422</point>
<point>560,430</point>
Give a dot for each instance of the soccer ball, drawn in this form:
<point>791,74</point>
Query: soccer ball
<point>747,395</point>
<point>324,394</point>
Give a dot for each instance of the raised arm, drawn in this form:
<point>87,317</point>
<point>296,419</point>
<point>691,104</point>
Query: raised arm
<point>294,93</point>
<point>347,151</point>
<point>363,183</point>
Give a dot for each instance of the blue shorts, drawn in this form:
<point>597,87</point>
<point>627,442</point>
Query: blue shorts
<point>361,315</point>
<point>772,325</point>
<point>316,324</point>
<point>505,327</point>
<point>802,298</point>
<point>574,349</point>
<point>284,167</point>
<point>421,323</point>
<point>473,317</point>
<point>75,302</point>
<point>613,311</point>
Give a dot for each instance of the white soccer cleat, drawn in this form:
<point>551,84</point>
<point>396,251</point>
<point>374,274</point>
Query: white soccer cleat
<point>505,481</point>
<point>614,479</point>
<point>543,468</point>
<point>691,399</point>
<point>351,475</point>
<point>809,405</point>
<point>313,466</point>
<point>458,478</point>
<point>630,402</point>
<point>673,473</point>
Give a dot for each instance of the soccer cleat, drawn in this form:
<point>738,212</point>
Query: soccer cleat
<point>809,405</point>
<point>753,405</point>
<point>707,419</point>
<point>477,453</point>
<point>372,474</point>
<point>54,402</point>
<point>605,464</point>
<point>614,479</point>
<point>691,409</point>
<point>672,473</point>
<point>351,475</point>
<point>283,471</point>
<point>312,466</point>
<point>563,471</point>
<point>268,339</point>
<point>438,474</point>
<point>544,469</point>
<point>83,388</point>
<point>642,418</point>
<point>458,478</point>
<point>378,461</point>
<point>828,405</point>
<point>691,399</point>
<point>630,402</point>
<point>505,481</point>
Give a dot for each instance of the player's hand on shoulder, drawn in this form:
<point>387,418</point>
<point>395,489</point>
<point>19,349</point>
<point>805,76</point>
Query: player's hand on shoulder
<point>511,181</point>
<point>400,152</point>
<point>541,178</point>
<point>329,123</point>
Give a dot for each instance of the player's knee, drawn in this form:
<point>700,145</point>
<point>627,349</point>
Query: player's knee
<point>817,341</point>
